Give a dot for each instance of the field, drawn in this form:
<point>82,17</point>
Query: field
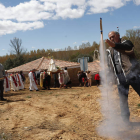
<point>66,114</point>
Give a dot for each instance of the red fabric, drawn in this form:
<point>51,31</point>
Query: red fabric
<point>14,80</point>
<point>83,79</point>
<point>44,75</point>
<point>18,79</point>
<point>97,77</point>
<point>7,85</point>
<point>34,78</point>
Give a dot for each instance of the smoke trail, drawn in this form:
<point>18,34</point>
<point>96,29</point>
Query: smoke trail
<point>113,125</point>
<point>110,101</point>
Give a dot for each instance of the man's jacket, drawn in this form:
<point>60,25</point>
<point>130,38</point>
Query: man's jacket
<point>127,59</point>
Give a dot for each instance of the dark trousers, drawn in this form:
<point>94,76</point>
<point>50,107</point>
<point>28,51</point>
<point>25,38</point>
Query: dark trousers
<point>97,82</point>
<point>1,89</point>
<point>44,83</point>
<point>123,90</point>
<point>56,82</point>
<point>48,79</point>
<point>68,84</point>
<point>80,80</point>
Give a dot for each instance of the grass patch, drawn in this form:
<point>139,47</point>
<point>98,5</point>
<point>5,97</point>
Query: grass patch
<point>41,93</point>
<point>3,137</point>
<point>76,106</point>
<point>88,95</point>
<point>138,105</point>
<point>50,93</point>
<point>56,95</point>
<point>28,97</point>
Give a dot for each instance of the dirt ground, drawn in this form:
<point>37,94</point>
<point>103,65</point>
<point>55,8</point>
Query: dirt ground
<point>67,114</point>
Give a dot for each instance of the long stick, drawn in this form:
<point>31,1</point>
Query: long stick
<point>102,44</point>
<point>101,29</point>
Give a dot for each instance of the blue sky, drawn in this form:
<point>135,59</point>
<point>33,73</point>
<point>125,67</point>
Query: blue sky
<point>57,24</point>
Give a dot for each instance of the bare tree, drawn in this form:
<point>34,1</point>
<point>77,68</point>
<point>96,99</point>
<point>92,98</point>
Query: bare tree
<point>17,49</point>
<point>134,37</point>
<point>69,48</point>
<point>75,47</point>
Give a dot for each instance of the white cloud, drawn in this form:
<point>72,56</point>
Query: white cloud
<point>64,8</point>
<point>44,9</point>
<point>103,6</point>
<point>35,10</point>
<point>137,2</point>
<point>29,15</point>
<point>33,47</point>
<point>75,43</point>
<point>135,27</point>
<point>9,27</point>
<point>27,11</point>
<point>3,49</point>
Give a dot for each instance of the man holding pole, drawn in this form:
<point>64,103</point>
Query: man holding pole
<point>125,67</point>
<point>2,76</point>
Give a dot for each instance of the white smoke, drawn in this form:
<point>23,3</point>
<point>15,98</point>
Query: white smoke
<point>112,123</point>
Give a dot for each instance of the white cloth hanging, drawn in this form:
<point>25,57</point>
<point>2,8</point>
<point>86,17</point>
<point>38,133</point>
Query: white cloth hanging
<point>6,84</point>
<point>52,66</point>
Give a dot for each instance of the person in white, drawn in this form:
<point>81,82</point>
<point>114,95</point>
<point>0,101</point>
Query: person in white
<point>6,82</point>
<point>61,78</point>
<point>19,81</point>
<point>14,85</point>
<point>66,77</point>
<point>16,78</point>
<point>32,79</point>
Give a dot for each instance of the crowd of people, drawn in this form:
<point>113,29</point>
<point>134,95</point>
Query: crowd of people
<point>15,81</point>
<point>85,78</point>
<point>40,80</point>
<point>61,79</point>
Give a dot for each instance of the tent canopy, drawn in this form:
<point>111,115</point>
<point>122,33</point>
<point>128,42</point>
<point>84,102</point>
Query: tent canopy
<point>43,63</point>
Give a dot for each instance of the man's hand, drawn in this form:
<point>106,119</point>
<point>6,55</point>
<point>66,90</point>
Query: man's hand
<point>110,43</point>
